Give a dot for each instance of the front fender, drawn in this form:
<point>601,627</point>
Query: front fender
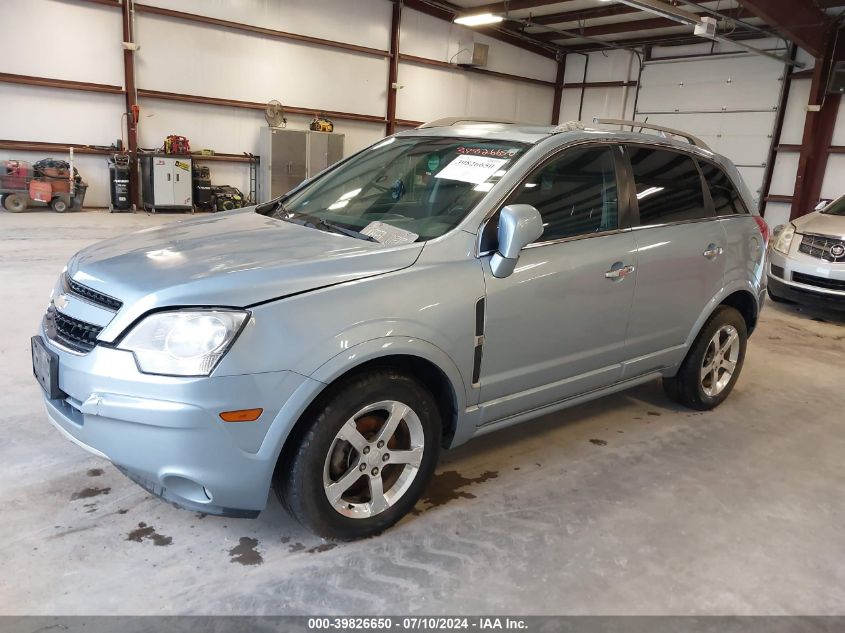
<point>387,346</point>
<point>312,386</point>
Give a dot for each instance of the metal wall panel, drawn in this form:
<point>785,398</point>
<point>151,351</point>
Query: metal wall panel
<point>777,213</point>
<point>430,93</point>
<point>793,120</point>
<point>51,115</point>
<point>783,177</point>
<point>598,102</point>
<point>361,22</point>
<point>611,65</point>
<point>200,59</point>
<point>61,40</point>
<point>839,129</point>
<point>834,178</point>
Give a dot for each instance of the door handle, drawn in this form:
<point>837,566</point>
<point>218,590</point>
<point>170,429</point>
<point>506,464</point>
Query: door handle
<point>713,251</point>
<point>619,273</point>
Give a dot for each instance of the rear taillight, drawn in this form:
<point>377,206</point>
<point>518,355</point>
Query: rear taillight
<point>764,229</point>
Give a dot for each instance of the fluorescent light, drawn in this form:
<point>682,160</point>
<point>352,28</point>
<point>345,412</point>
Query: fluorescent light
<point>648,192</point>
<point>478,19</point>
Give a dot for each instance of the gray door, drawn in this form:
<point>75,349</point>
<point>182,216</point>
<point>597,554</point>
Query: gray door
<point>162,180</point>
<point>182,191</point>
<point>287,160</point>
<point>556,327</point>
<point>680,257</point>
<point>324,150</point>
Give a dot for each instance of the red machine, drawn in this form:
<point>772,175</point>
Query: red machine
<point>177,145</point>
<point>16,174</point>
<point>49,181</point>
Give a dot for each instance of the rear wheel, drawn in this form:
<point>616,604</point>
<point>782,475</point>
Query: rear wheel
<point>712,366</point>
<point>58,205</point>
<point>15,202</point>
<point>364,458</point>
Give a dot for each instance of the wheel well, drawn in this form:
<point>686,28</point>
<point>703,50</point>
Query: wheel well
<point>429,374</point>
<point>744,302</point>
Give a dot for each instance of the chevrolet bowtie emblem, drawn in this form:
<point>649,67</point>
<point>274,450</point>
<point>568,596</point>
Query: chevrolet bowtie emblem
<point>61,301</point>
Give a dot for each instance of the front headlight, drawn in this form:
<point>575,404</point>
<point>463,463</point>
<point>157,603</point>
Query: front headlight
<point>782,238</point>
<point>184,342</point>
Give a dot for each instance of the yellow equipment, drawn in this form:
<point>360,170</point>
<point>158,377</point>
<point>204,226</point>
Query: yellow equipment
<point>322,124</point>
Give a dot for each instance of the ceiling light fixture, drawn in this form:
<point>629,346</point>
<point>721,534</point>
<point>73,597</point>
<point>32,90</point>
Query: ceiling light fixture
<point>478,19</point>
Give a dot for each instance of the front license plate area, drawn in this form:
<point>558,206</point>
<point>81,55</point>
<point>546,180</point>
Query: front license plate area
<point>45,368</point>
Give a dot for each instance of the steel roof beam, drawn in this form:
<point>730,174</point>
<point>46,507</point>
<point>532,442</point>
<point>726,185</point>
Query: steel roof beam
<point>800,21</point>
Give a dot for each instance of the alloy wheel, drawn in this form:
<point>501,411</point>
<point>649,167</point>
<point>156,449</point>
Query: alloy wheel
<point>720,360</point>
<point>373,459</point>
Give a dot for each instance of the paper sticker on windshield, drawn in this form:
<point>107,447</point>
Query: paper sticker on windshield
<point>493,152</point>
<point>473,169</point>
<point>388,235</point>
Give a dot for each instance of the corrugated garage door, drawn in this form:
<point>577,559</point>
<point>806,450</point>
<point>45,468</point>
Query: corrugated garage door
<point>728,102</point>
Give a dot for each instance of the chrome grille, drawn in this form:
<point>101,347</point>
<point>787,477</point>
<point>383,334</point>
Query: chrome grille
<point>820,246</point>
<point>73,334</point>
<point>91,295</point>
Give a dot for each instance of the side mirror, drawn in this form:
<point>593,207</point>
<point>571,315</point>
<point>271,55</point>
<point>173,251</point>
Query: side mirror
<point>519,225</point>
<point>821,205</point>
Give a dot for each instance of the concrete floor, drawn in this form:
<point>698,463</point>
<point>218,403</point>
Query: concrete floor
<point>628,505</point>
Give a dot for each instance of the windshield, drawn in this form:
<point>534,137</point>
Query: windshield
<point>837,207</point>
<point>403,189</point>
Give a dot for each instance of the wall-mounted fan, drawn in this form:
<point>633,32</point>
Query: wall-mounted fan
<point>275,114</point>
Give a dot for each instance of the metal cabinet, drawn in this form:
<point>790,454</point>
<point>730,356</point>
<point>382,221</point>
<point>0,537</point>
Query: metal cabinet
<point>166,181</point>
<point>290,156</point>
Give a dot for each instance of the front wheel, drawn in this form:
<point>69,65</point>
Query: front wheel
<point>712,366</point>
<point>364,458</point>
<point>58,205</point>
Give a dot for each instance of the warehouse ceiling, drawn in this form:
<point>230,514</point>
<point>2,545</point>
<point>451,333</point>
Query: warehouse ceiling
<point>582,25</point>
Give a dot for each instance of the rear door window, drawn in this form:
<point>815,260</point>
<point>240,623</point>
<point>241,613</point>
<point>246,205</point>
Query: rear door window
<point>726,199</point>
<point>668,186</point>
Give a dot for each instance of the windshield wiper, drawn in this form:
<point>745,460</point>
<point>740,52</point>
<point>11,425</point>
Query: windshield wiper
<point>319,223</point>
<point>343,230</point>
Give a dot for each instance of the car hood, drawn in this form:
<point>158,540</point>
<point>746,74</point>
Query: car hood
<point>234,259</point>
<point>822,224</point>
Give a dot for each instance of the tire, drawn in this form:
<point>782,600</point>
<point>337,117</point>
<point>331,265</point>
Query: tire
<point>776,299</point>
<point>58,205</point>
<point>15,203</point>
<point>322,455</point>
<point>693,386</point>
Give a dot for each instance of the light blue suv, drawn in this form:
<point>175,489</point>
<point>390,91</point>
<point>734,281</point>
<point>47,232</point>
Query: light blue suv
<point>444,283</point>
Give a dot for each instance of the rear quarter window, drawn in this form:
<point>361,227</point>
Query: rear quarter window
<point>726,198</point>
